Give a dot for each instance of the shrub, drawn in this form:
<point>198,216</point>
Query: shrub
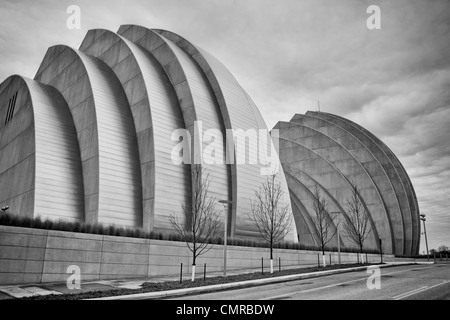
<point>172,237</point>
<point>76,227</point>
<point>139,233</point>
<point>36,223</point>
<point>129,233</point>
<point>110,230</point>
<point>100,229</point>
<point>47,224</point>
<point>83,228</point>
<point>26,222</point>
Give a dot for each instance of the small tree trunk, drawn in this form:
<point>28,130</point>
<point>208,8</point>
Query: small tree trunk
<point>362,256</point>
<point>193,273</point>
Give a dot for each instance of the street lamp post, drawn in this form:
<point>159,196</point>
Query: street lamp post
<point>423,218</point>
<point>338,237</point>
<point>225,206</point>
<point>381,251</point>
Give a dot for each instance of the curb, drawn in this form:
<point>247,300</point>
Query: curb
<point>241,284</point>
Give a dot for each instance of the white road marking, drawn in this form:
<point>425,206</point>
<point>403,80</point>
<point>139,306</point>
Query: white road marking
<point>289,295</point>
<point>423,289</point>
<point>40,291</point>
<point>406,294</point>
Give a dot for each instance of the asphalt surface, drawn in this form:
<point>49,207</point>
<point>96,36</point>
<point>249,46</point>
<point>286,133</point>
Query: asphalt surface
<point>420,282</point>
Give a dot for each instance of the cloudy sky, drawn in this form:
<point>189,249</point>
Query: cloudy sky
<point>290,54</point>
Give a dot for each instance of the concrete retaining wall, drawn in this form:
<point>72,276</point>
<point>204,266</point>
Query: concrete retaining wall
<point>38,256</point>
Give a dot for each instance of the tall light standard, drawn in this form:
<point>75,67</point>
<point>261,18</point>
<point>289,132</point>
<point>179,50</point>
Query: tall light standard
<point>423,218</point>
<point>225,207</point>
<point>338,235</point>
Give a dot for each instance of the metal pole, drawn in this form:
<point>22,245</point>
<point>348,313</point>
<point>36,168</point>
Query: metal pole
<point>181,273</point>
<point>204,272</point>
<point>426,239</point>
<point>434,257</point>
<point>318,260</point>
<point>367,261</point>
<point>330,259</point>
<point>279,263</point>
<point>225,231</point>
<point>225,243</point>
<point>381,251</point>
<point>262,265</point>
<point>339,245</point>
<point>338,235</point>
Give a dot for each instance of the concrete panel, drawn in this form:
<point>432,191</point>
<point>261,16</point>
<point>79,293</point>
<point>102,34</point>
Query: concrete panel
<point>19,278</point>
<point>128,248</point>
<point>124,258</point>
<point>62,277</point>
<point>60,267</point>
<point>63,255</point>
<point>69,244</point>
<point>21,253</point>
<point>22,266</point>
<point>124,270</point>
<point>109,262</point>
<point>22,237</point>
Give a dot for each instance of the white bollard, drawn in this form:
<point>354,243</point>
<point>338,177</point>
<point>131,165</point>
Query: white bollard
<point>193,273</point>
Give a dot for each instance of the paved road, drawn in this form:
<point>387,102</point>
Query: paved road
<point>422,282</point>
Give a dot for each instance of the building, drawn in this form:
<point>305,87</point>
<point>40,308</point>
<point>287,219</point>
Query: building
<point>335,154</point>
<point>91,139</point>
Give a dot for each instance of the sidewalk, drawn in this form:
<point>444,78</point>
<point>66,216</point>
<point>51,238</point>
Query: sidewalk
<point>29,290</point>
<point>21,291</point>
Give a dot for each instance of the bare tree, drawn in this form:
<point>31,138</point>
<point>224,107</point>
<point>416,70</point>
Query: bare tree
<point>271,215</point>
<point>357,227</point>
<point>323,223</point>
<point>201,220</point>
